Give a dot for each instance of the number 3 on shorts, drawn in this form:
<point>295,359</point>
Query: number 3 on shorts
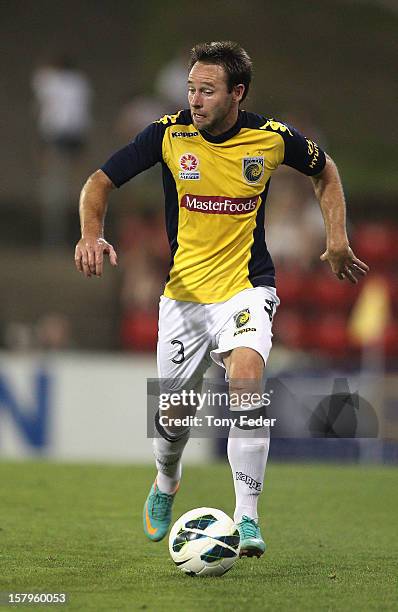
<point>179,358</point>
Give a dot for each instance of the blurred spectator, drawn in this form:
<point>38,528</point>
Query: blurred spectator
<point>63,95</point>
<point>169,97</point>
<point>53,332</point>
<point>18,336</point>
<point>136,113</point>
<point>171,82</point>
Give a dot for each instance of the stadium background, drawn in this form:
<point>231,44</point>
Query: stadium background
<point>75,353</point>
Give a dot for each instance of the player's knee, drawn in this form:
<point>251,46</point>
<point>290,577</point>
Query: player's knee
<point>245,379</point>
<point>245,364</point>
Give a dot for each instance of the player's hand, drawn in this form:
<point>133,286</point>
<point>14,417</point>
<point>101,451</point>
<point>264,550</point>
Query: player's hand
<point>89,256</point>
<point>345,264</point>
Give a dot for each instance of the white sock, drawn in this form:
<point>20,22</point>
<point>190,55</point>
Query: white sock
<point>247,454</point>
<point>168,462</point>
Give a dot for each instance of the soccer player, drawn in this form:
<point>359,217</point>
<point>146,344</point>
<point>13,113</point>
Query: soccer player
<point>219,298</point>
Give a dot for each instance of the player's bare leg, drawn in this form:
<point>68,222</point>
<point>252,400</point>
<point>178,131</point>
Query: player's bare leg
<point>247,447</point>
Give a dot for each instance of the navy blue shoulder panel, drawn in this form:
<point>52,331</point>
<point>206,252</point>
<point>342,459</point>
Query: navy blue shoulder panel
<point>144,151</point>
<point>252,120</point>
<point>301,153</point>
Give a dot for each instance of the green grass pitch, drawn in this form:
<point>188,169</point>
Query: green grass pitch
<point>77,528</point>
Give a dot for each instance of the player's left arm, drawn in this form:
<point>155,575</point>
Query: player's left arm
<point>329,192</point>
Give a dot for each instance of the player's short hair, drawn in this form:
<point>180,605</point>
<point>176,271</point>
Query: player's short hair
<point>235,61</point>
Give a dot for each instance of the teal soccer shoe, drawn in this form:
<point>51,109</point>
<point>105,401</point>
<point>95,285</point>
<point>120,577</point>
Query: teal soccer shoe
<point>251,541</point>
<point>157,513</point>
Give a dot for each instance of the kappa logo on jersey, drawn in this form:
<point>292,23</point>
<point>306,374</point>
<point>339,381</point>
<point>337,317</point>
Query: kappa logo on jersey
<point>276,126</point>
<point>189,164</point>
<point>168,118</point>
<point>218,205</point>
<point>184,134</point>
<point>242,317</point>
<point>253,169</point>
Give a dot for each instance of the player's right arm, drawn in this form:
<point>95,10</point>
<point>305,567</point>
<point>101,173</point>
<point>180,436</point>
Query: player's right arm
<point>90,250</point>
<point>144,152</point>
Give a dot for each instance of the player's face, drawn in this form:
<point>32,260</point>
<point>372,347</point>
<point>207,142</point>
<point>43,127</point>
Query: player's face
<point>213,107</point>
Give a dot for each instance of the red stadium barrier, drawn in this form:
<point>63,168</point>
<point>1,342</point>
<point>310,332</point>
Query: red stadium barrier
<point>376,243</point>
<point>139,331</point>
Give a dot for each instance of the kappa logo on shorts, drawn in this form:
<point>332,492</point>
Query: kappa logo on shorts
<point>243,331</point>
<point>242,317</point>
<point>270,308</point>
<point>253,169</point>
<point>189,164</point>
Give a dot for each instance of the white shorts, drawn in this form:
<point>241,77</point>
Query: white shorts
<point>191,334</point>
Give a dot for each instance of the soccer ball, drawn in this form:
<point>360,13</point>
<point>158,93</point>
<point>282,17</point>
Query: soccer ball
<point>204,542</point>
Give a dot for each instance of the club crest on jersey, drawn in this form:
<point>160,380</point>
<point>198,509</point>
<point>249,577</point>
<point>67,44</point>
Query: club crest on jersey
<point>253,169</point>
<point>242,317</point>
<point>189,167</point>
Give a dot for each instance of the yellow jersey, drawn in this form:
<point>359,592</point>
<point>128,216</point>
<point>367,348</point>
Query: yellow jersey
<point>215,193</point>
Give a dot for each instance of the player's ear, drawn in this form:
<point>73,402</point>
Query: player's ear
<point>238,92</point>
